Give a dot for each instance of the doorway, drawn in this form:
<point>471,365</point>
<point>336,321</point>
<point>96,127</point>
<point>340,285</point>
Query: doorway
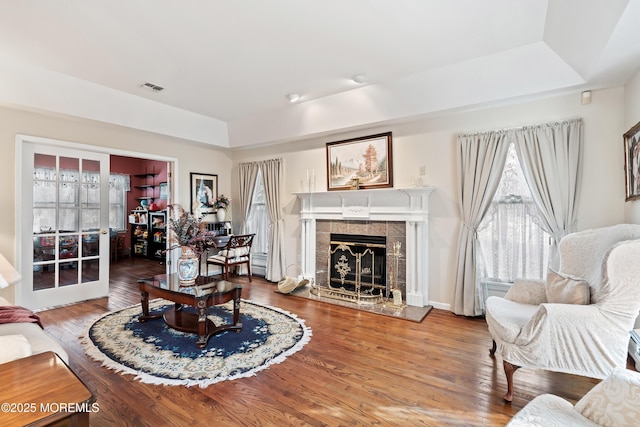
<point>63,227</point>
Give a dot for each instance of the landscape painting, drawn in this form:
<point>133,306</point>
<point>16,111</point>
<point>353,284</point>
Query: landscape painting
<point>360,163</point>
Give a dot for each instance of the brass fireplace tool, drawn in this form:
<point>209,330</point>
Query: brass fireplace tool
<point>393,276</point>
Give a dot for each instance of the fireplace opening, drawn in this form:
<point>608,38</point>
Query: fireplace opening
<point>357,267</point>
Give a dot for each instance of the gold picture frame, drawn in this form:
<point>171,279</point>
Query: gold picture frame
<point>360,163</point>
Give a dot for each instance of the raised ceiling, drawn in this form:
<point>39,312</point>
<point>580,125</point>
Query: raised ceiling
<point>228,66</point>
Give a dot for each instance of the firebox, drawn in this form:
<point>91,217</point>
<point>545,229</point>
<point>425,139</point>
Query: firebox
<point>357,268</point>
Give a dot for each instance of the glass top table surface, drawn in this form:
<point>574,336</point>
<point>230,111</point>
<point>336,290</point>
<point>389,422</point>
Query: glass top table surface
<point>203,286</point>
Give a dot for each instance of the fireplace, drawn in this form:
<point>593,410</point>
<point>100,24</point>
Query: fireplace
<point>356,268</point>
<point>399,215</point>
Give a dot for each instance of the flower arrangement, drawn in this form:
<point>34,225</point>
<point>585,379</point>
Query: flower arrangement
<point>187,230</point>
<point>222,202</point>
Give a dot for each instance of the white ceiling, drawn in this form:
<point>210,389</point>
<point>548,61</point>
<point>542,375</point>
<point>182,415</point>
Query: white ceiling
<point>227,66</point>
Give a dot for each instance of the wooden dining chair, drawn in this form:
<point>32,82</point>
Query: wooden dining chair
<point>236,252</point>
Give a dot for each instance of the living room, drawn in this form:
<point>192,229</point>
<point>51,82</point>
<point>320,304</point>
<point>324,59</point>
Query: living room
<point>424,148</point>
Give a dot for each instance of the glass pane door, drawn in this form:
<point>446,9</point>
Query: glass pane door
<point>68,225</point>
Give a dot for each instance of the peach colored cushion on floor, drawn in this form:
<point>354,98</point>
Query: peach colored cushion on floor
<point>564,289</point>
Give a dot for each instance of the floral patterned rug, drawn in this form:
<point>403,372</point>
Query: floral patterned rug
<point>158,354</point>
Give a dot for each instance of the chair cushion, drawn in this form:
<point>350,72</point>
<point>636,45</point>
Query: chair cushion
<point>222,259</point>
<point>507,318</point>
<point>231,253</point>
<point>548,410</point>
<point>613,402</point>
<point>565,289</point>
<point>13,347</point>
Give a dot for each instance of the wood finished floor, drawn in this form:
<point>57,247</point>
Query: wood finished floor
<point>360,369</point>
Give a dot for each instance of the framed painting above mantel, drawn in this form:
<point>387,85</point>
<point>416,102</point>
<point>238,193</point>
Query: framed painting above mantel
<point>632,162</point>
<point>364,162</point>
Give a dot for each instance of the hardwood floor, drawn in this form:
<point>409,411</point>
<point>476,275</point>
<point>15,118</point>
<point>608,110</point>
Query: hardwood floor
<point>359,369</point>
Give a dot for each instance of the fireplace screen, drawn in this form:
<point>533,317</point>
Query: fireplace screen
<point>357,268</point>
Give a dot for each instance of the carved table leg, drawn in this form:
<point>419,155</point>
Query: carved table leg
<point>509,370</point>
<point>144,302</point>
<point>492,351</point>
<point>203,337</point>
<point>236,310</point>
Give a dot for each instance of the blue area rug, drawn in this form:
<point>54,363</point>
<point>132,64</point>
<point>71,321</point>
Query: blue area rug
<point>158,354</point>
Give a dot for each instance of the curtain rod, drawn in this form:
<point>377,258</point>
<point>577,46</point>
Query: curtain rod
<point>525,127</point>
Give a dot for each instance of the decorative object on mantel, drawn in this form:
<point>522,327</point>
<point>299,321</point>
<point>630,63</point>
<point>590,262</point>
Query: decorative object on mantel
<point>221,204</point>
<point>158,354</point>
<point>190,234</point>
<point>367,159</point>
<point>632,162</point>
<point>355,183</point>
<point>311,181</point>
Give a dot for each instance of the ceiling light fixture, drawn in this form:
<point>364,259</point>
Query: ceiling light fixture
<point>359,78</point>
<point>293,97</point>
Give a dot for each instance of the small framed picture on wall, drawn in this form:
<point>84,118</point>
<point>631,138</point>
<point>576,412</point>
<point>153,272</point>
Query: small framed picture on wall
<point>632,162</point>
<point>204,190</point>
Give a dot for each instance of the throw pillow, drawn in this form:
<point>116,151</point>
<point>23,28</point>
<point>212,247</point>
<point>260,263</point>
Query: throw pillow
<point>13,347</point>
<point>564,289</point>
<point>613,402</point>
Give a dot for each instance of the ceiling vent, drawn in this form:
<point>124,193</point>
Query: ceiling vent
<point>152,87</point>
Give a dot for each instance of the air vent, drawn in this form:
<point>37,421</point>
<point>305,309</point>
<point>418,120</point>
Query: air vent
<point>152,87</point>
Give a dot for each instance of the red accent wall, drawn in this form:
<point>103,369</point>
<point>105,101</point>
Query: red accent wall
<point>135,166</point>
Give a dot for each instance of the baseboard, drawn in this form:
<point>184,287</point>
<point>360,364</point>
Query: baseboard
<point>440,305</point>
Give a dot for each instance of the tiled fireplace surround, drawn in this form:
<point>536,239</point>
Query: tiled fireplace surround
<point>394,232</point>
<point>402,215</point>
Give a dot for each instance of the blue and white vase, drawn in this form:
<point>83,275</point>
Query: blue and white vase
<point>188,267</point>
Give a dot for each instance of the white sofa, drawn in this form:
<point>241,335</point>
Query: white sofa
<point>613,402</point>
<point>24,339</point>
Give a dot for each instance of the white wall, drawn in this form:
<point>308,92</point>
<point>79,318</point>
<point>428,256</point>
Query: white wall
<point>631,117</point>
<point>431,142</point>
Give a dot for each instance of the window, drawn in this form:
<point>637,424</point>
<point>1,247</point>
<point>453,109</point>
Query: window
<point>118,186</point>
<point>512,244</point>
<point>258,218</point>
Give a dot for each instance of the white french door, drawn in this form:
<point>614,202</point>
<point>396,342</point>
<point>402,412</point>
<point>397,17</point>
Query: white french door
<point>63,225</point>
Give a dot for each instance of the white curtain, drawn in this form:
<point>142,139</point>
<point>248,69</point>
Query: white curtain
<point>247,173</point>
<point>550,156</point>
<point>480,163</point>
<point>272,176</point>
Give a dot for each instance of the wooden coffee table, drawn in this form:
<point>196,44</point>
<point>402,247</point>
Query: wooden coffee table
<point>41,390</point>
<point>204,294</point>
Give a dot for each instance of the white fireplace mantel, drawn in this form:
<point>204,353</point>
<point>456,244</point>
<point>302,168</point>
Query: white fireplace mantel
<point>410,205</point>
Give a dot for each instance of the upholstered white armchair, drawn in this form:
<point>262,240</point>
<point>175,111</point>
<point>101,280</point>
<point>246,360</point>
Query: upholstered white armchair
<point>612,403</point>
<point>579,320</point>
